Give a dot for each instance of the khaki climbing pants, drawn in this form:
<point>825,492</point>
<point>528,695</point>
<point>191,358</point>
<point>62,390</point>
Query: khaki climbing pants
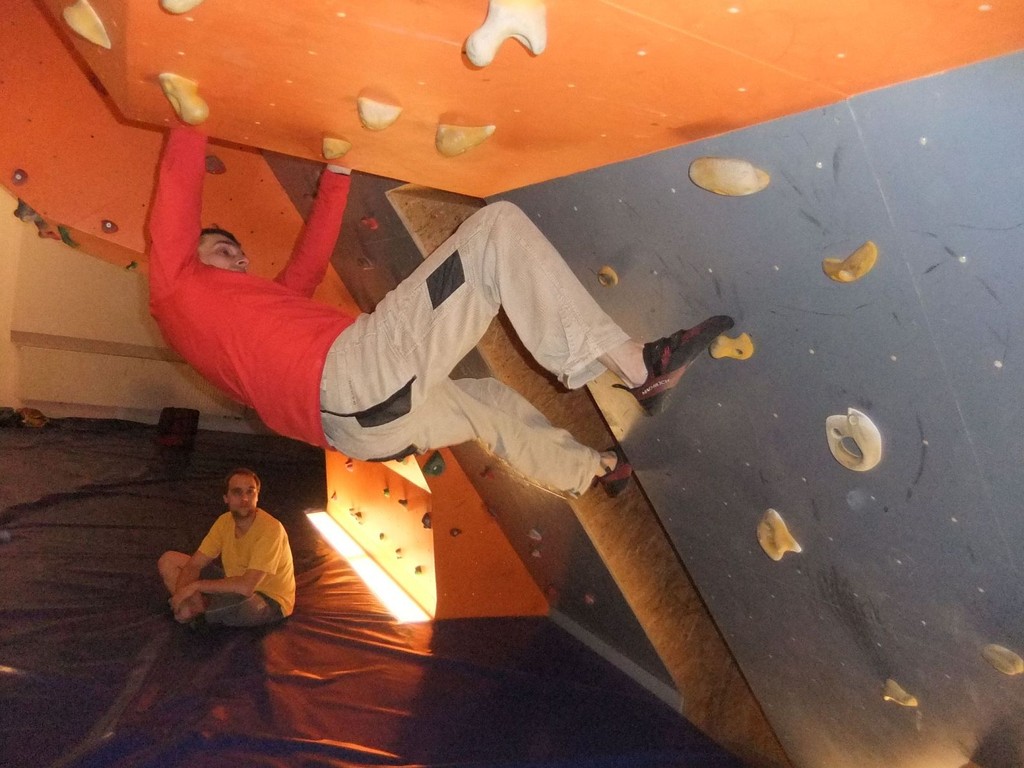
<point>385,391</point>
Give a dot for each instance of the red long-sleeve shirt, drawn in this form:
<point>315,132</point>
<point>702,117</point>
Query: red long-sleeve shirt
<point>263,342</point>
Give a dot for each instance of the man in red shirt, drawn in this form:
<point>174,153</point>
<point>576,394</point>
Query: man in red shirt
<point>377,386</point>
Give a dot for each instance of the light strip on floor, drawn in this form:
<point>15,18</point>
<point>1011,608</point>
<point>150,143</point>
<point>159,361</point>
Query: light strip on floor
<point>394,598</point>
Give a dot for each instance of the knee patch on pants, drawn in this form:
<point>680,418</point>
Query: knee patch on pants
<point>446,279</point>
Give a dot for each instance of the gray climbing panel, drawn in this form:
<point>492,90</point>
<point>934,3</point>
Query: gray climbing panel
<point>910,569</point>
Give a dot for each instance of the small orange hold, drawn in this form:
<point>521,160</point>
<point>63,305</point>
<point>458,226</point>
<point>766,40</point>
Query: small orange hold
<point>370,223</point>
<point>607,277</point>
<point>30,417</point>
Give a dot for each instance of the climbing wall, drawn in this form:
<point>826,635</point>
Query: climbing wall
<point>871,646</point>
<point>481,96</point>
<point>476,96</point>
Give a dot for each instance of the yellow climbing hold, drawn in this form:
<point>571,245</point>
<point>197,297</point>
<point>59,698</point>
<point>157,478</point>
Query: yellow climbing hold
<point>728,176</point>
<point>524,20</point>
<point>84,20</point>
<point>740,348</point>
<point>184,97</point>
<point>607,277</point>
<point>1003,659</point>
<point>894,692</point>
<point>774,537</point>
<point>452,140</point>
<point>376,115</point>
<point>334,148</point>
<point>179,6</point>
<point>854,266</point>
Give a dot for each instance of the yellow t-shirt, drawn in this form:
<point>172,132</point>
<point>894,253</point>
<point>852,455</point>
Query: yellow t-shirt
<point>263,547</point>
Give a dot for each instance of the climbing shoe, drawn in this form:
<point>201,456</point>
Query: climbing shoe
<point>614,481</point>
<point>667,360</point>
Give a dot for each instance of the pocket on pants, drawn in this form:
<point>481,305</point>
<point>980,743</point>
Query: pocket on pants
<point>393,408</point>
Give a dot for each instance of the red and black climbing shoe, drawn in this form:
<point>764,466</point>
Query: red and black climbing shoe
<point>614,481</point>
<point>667,360</point>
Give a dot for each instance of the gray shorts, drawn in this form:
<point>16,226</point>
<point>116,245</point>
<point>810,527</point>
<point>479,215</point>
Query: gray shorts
<point>233,610</point>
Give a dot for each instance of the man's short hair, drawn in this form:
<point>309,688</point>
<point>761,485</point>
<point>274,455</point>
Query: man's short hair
<point>218,231</point>
<point>241,471</point>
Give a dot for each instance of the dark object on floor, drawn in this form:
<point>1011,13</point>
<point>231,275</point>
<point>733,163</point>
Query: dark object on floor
<point>32,417</point>
<point>177,427</point>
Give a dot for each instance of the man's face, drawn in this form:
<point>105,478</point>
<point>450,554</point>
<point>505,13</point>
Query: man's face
<point>242,496</point>
<point>222,252</point>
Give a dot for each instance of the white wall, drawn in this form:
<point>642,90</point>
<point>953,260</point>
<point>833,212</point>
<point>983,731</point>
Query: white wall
<point>11,233</point>
<point>78,339</point>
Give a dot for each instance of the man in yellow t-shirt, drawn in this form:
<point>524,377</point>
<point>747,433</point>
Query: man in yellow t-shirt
<point>257,584</point>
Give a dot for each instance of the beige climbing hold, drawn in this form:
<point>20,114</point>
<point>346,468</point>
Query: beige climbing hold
<point>184,97</point>
<point>728,176</point>
<point>524,20</point>
<point>1003,659</point>
<point>452,140</point>
<point>179,6</point>
<point>84,20</point>
<point>894,692</point>
<point>376,115</point>
<point>854,266</point>
<point>774,537</point>
<point>334,148</point>
<point>854,440</point>
<point>740,348</point>
<point>607,277</point>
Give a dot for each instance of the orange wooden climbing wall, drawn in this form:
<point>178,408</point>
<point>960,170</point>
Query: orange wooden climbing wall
<point>442,546</point>
<point>617,80</point>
